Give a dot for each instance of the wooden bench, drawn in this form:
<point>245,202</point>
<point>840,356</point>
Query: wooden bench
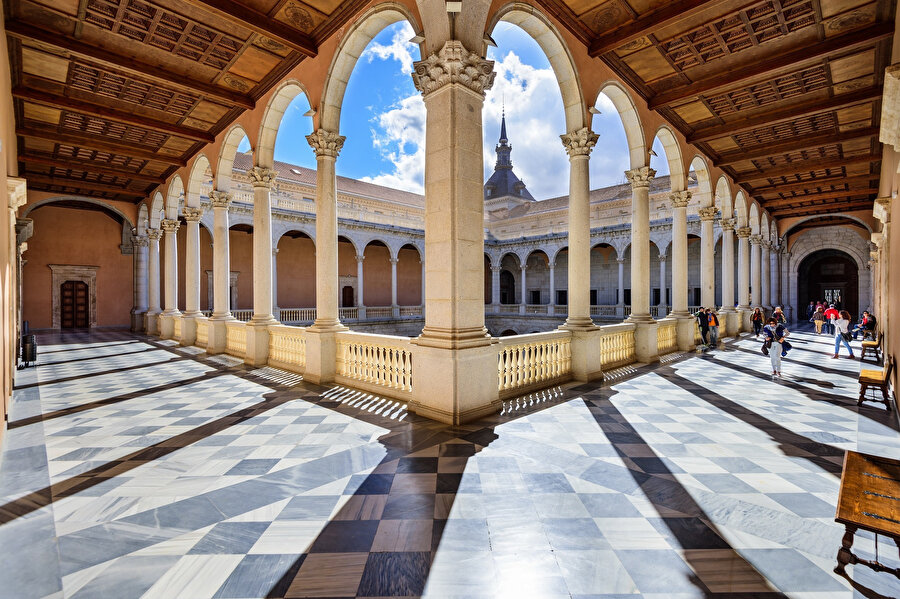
<point>876,380</point>
<point>867,501</point>
<point>873,346</point>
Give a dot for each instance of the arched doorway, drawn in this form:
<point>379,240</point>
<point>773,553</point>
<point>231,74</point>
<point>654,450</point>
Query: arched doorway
<point>507,287</point>
<point>829,275</point>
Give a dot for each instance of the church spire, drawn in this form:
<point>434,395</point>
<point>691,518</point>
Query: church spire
<point>503,183</point>
<point>503,138</point>
<point>503,148</point>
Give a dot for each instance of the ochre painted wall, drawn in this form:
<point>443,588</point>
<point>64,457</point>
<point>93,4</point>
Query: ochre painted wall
<point>77,237</point>
<point>409,278</point>
<point>296,273</point>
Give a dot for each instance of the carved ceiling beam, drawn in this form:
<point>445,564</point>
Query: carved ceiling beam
<point>88,166</point>
<point>261,23</point>
<point>795,111</point>
<point>812,184</point>
<point>668,13</point>
<point>794,145</point>
<point>26,31</point>
<point>36,179</point>
<point>804,166</point>
<point>94,143</point>
<point>830,208</point>
<point>827,195</point>
<point>776,61</point>
<point>111,114</point>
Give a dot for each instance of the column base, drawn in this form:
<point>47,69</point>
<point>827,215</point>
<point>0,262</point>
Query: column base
<point>684,331</point>
<point>579,323</point>
<point>321,353</point>
<point>732,320</point>
<point>167,324</point>
<point>453,338</point>
<point>586,354</point>
<point>151,323</point>
<point>455,386</point>
<point>640,318</point>
<point>745,313</point>
<point>217,334</point>
<point>189,328</point>
<point>137,320</point>
<point>257,353</point>
<point>646,345</point>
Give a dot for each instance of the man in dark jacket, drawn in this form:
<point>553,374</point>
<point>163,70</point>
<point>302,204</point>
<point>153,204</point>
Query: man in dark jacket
<point>703,322</point>
<point>866,325</point>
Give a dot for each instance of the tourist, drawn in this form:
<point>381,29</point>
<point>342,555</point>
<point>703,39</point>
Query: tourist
<point>713,320</point>
<point>831,314</point>
<point>818,319</point>
<point>866,325</point>
<point>756,319</point>
<point>774,344</point>
<point>841,326</point>
<point>779,315</point>
<point>703,323</point>
<point>810,310</point>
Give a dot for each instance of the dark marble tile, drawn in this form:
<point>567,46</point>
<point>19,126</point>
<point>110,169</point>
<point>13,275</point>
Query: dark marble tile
<point>409,506</point>
<point>417,465</point>
<point>395,574</point>
<point>369,484</point>
<point>457,450</point>
<point>657,465</point>
<point>261,576</point>
<point>345,536</point>
<point>688,533</point>
<point>308,507</point>
<point>230,538</point>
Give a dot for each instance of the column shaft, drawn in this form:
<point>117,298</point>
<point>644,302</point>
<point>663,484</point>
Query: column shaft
<point>262,179</point>
<point>765,265</point>
<point>394,281</point>
<point>171,229</point>
<point>221,256</point>
<point>662,284</point>
<point>755,278</point>
<point>680,200</point>
<point>728,264</point>
<point>743,235</point>
<point>192,262</point>
<point>579,146</point>
<point>707,257</point>
<point>360,295</point>
<point>495,285</point>
<point>640,242</point>
<point>524,290</point>
<point>153,304</point>
<point>621,300</point>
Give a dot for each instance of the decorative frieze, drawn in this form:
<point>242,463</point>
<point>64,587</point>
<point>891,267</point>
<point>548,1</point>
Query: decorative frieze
<point>579,143</point>
<point>325,143</point>
<point>680,199</point>
<point>453,64</point>
<point>756,240</point>
<point>640,177</point>
<point>141,241</point>
<point>261,176</point>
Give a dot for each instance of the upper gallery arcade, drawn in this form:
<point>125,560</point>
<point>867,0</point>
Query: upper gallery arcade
<point>778,120</point>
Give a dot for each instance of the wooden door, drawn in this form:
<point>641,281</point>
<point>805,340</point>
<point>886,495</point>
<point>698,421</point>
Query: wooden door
<point>73,305</point>
<point>347,296</point>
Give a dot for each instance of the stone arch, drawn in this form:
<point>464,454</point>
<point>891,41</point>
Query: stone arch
<point>723,197</point>
<point>857,219</point>
<point>225,165</point>
<point>677,177</point>
<point>703,196</point>
<point>764,226</point>
<point>533,22</point>
<point>634,130</point>
<point>754,218</point>
<point>392,248</point>
<point>157,206</point>
<point>143,221</point>
<point>557,252</point>
<point>268,130</point>
<point>292,227</point>
<point>174,196</point>
<point>355,244</point>
<point>348,52</point>
<point>740,209</point>
<point>197,180</point>
<point>125,219</point>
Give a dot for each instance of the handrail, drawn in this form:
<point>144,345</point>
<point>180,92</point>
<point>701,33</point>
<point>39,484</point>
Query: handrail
<point>537,360</point>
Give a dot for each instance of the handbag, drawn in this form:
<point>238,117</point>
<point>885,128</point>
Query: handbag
<point>765,347</point>
<point>846,337</point>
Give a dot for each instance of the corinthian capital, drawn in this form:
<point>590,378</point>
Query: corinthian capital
<point>640,177</point>
<point>169,225</point>
<point>154,234</point>
<point>579,143</point>
<point>140,241</point>
<point>219,199</point>
<point>680,199</point>
<point>755,239</point>
<point>727,224</point>
<point>453,64</point>
<point>708,213</point>
<point>192,214</point>
<point>325,143</point>
<point>261,176</point>
<point>743,232</point>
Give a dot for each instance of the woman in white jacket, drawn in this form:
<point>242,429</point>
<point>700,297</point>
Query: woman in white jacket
<point>842,327</point>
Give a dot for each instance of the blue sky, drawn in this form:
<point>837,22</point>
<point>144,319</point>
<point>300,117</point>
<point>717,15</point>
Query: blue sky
<point>383,118</point>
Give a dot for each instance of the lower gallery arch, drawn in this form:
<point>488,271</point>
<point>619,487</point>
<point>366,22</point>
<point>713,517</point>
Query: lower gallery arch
<point>829,275</point>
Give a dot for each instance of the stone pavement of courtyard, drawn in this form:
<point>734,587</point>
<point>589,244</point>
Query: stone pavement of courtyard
<point>137,468</point>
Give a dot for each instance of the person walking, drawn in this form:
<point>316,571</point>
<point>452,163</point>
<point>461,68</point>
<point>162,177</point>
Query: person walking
<point>779,316</point>
<point>756,319</point>
<point>841,327</point>
<point>774,334</point>
<point>703,323</point>
<point>818,319</point>
<point>713,319</point>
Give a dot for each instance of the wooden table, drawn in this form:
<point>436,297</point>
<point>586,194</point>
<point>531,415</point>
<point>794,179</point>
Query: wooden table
<point>870,500</point>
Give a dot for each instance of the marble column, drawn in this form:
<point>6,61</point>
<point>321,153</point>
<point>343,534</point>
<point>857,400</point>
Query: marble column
<point>774,278</point>
<point>191,275</point>
<point>360,290</point>
<point>276,311</point>
<point>495,287</point>
<point>579,145</point>
<point>221,308</point>
<point>523,289</point>
<point>395,308</point>
<point>141,245</point>
<point>646,348</point>
<point>168,315</point>
<point>262,179</point>
<point>685,325</point>
<point>765,264</point>
<point>552,301</point>
<point>755,276</point>
<point>620,304</point>
<point>743,235</point>
<point>662,285</point>
<point>731,317</point>
<point>151,318</point>
<point>422,292</point>
<point>707,257</point>
<point>455,379</point>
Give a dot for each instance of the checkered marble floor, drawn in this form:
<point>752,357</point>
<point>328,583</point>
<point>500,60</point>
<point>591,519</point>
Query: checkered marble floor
<point>136,468</point>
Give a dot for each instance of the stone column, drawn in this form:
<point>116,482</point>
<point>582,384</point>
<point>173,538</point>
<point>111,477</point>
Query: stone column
<point>360,293</point>
<point>221,309</point>
<point>743,235</point>
<point>151,318</point>
<point>731,317</point>
<point>167,317</point>
<point>685,325</point>
<point>276,311</point>
<point>662,284</point>
<point>620,304</point>
<point>523,290</point>
<point>191,276</point>
<point>579,145</point>
<point>141,244</point>
<point>422,292</point>
<point>755,277</point>
<point>552,302</point>
<point>495,287</point>
<point>262,179</point>
<point>395,308</point>
<point>765,264</point>
<point>321,345</point>
<point>455,378</point>
<point>646,348</point>
<point>774,278</point>
<point>707,257</point>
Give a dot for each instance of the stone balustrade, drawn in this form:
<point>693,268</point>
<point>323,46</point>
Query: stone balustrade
<point>617,345</point>
<point>202,332</point>
<point>287,347</point>
<point>242,315</point>
<point>667,336</point>
<point>236,339</point>
<point>378,363</point>
<point>529,362</point>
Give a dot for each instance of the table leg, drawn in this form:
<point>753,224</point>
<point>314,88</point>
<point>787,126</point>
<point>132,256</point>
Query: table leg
<point>844,555</point>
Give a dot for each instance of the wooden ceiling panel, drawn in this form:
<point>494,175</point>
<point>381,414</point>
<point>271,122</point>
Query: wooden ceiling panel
<point>254,64</point>
<point>862,15</point>
<point>300,15</point>
<point>852,66</point>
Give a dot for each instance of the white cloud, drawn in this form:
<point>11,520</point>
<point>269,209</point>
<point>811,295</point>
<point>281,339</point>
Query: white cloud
<point>400,139</point>
<point>400,49</point>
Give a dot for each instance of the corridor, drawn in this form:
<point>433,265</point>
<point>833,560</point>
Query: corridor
<point>137,468</point>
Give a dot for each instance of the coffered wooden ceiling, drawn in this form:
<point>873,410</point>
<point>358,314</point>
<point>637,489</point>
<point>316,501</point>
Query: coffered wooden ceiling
<point>112,96</point>
<point>784,95</point>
